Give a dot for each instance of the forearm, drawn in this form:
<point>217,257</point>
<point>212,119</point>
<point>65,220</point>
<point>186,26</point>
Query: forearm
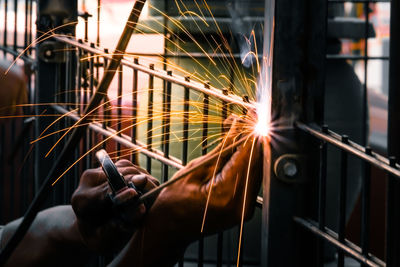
<point>151,250</point>
<point>52,240</point>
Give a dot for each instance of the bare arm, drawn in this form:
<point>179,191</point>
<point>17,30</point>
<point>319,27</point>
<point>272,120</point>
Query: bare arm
<point>52,240</point>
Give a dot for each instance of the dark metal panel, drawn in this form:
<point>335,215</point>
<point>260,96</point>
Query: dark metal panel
<point>298,79</point>
<point>393,191</point>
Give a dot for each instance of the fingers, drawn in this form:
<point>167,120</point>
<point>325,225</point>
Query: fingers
<point>244,167</point>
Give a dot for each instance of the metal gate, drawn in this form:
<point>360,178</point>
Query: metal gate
<point>295,230</point>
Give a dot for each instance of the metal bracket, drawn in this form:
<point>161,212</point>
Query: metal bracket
<point>289,168</point>
<point>52,52</point>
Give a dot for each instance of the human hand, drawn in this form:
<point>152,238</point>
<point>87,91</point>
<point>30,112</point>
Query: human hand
<point>186,207</point>
<point>104,225</point>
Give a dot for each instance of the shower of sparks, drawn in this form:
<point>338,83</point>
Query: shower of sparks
<point>257,86</point>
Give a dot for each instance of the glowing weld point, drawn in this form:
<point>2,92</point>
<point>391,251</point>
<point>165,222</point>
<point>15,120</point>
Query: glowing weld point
<point>262,128</point>
<point>263,125</point>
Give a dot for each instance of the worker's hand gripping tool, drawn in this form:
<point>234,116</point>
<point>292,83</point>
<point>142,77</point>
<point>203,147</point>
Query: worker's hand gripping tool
<point>115,179</point>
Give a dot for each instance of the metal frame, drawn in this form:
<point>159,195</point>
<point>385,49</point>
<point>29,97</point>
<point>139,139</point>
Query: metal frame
<point>300,210</point>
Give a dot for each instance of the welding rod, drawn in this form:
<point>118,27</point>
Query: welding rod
<point>76,134</point>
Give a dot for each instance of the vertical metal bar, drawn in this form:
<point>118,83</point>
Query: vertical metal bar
<point>150,107</point>
<point>185,134</point>
<point>392,215</point>
<point>322,197</point>
<point>166,124</point>
<point>15,47</point>
<point>5,25</point>
<point>90,140</point>
<point>342,201</point>
<point>185,144</point>
<point>30,26</point>
<point>203,152</point>
<point>135,108</point>
<point>26,23</point>
<point>365,205</point>
<point>98,22</point>
<point>365,87</point>
<point>119,107</point>
<point>393,189</point>
<point>105,117</point>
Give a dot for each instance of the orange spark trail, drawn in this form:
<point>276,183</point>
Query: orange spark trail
<point>244,202</point>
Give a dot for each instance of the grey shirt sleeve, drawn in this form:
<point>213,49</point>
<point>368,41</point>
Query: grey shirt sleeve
<point>1,235</point>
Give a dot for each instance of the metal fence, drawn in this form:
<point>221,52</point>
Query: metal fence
<point>67,71</point>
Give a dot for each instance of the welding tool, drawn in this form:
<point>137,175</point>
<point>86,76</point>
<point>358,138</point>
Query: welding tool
<point>115,179</point>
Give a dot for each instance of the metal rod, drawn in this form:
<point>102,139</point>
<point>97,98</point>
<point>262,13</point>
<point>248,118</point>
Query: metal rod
<point>212,91</point>
<point>119,107</point>
<point>124,140</point>
<point>342,201</point>
<point>150,107</point>
<point>307,224</point>
<point>5,25</point>
<point>322,197</point>
<point>393,190</point>
<point>353,148</point>
<point>15,25</point>
<point>166,124</point>
<point>185,143</point>
<point>365,205</point>
<point>76,135</point>
<point>134,108</point>
<point>204,142</point>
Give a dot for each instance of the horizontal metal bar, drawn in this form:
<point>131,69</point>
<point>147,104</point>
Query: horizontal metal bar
<point>358,1</point>
<point>16,54</point>
<point>355,57</point>
<point>123,139</point>
<point>211,91</point>
<point>354,253</point>
<point>353,148</point>
<point>188,55</point>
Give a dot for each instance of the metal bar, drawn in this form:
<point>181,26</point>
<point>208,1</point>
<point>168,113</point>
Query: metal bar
<point>105,117</point>
<point>392,215</point>
<point>5,25</point>
<point>185,143</point>
<point>204,142</point>
<point>352,148</point>
<point>365,205</point>
<point>393,190</point>
<point>150,107</point>
<point>342,201</point>
<point>322,197</point>
<point>365,86</point>
<point>15,24</point>
<point>134,108</point>
<point>119,107</point>
<point>212,91</point>
<point>7,50</point>
<point>355,57</point>
<point>166,124</point>
<point>359,1</point>
<point>75,136</point>
<point>185,135</point>
<point>307,224</point>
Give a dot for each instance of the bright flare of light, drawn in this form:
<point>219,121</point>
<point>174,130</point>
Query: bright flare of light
<point>262,126</point>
